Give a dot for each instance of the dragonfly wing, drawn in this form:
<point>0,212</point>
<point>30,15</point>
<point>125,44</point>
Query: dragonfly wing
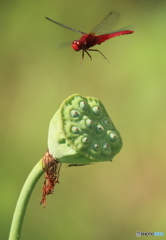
<point>107,24</point>
<point>64,26</point>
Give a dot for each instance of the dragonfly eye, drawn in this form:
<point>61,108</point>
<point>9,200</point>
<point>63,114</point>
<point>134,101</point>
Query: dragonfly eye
<point>76,45</point>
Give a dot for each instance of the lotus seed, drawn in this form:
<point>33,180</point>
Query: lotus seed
<point>113,137</point>
<point>85,140</point>
<point>89,123</point>
<point>99,129</point>
<point>84,105</point>
<point>95,147</point>
<point>75,113</point>
<point>75,130</point>
<point>96,110</point>
<point>107,123</point>
<point>106,146</point>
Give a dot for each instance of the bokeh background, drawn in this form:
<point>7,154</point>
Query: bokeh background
<point>104,200</point>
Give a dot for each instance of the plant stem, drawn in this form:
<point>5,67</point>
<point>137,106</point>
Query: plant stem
<point>23,200</point>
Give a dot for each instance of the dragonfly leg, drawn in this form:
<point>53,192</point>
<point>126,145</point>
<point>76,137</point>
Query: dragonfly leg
<point>82,54</point>
<point>82,57</point>
<point>96,50</point>
<point>88,54</point>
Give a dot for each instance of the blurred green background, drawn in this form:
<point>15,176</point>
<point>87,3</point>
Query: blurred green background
<point>105,200</point>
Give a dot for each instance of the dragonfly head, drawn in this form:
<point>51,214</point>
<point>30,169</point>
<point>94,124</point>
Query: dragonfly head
<point>77,45</point>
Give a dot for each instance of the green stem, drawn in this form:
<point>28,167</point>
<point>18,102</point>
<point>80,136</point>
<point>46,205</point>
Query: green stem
<point>23,200</point>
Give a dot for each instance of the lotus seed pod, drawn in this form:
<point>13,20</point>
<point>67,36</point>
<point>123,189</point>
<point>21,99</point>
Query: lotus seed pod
<point>81,132</point>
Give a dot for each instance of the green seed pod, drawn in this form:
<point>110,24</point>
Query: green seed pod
<point>81,132</point>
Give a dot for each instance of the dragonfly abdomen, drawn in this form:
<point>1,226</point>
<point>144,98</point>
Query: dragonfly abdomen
<point>104,37</point>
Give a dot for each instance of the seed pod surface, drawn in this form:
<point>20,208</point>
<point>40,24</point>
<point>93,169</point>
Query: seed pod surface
<point>81,132</point>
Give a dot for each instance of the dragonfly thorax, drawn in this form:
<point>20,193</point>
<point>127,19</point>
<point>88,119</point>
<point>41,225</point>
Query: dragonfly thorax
<point>77,45</point>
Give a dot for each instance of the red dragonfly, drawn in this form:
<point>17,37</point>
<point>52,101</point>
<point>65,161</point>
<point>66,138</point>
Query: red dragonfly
<point>97,35</point>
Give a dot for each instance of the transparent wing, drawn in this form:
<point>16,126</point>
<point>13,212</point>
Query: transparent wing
<point>107,24</point>
<point>61,45</point>
<point>64,26</point>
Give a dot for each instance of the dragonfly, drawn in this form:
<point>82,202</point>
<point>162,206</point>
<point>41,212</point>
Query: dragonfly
<point>97,35</point>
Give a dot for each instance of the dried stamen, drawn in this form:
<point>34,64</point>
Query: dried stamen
<point>51,167</point>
